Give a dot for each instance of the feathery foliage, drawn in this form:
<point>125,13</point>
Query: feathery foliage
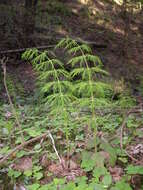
<point>70,91</point>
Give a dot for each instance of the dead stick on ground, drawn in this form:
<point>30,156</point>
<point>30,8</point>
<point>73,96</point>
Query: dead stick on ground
<point>54,147</point>
<point>24,49</point>
<point>52,46</point>
<point>19,147</point>
<point>132,158</point>
<point>3,62</point>
<point>122,130</point>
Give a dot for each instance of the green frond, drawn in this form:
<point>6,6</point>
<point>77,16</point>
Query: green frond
<point>42,57</point>
<point>64,73</point>
<point>100,89</point>
<point>48,64</point>
<point>101,103</point>
<point>61,43</point>
<point>30,54</point>
<point>59,99</point>
<point>104,85</point>
<point>57,86</point>
<point>66,43</point>
<point>77,71</point>
<point>70,44</point>
<point>82,88</point>
<point>80,48</point>
<point>87,58</point>
<point>62,93</point>
<point>87,88</point>
<point>66,85</point>
<point>52,99</point>
<point>97,69</point>
<point>56,62</point>
<point>94,59</point>
<point>55,74</point>
<point>84,102</point>
<point>78,59</point>
<point>84,72</point>
<point>47,87</point>
<point>43,66</point>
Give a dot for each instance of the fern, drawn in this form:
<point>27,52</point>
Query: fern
<point>68,92</point>
<point>53,86</point>
<point>54,82</point>
<point>76,49</point>
<point>30,54</point>
<point>85,71</point>
<point>85,57</point>
<point>85,66</point>
<point>52,74</point>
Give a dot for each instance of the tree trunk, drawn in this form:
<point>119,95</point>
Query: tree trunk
<point>126,19</point>
<point>30,3</point>
<point>29,19</point>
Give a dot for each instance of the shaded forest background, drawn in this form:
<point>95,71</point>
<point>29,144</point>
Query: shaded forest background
<point>115,30</point>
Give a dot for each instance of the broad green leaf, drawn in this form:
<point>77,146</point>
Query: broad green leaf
<point>98,172</point>
<point>36,168</point>
<point>69,186</point>
<point>59,181</point>
<point>81,186</point>
<point>32,132</point>
<point>90,143</point>
<point>35,186</point>
<point>37,146</point>
<point>4,150</point>
<point>107,180</point>
<point>98,187</point>
<point>38,175</point>
<point>108,148</point>
<point>14,173</point>
<point>81,180</point>
<point>90,160</point>
<point>122,185</point>
<point>87,163</point>
<point>20,154</point>
<point>134,170</point>
<point>28,173</point>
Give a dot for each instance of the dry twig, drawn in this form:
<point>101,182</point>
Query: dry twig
<point>24,49</point>
<point>19,147</point>
<point>3,62</point>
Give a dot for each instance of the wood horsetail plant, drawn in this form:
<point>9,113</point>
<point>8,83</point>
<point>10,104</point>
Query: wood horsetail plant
<point>85,68</point>
<point>54,84</point>
<point>66,91</point>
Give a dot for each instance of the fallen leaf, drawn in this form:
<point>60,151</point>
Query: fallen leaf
<point>45,162</point>
<point>25,163</point>
<point>71,170</point>
<point>116,173</point>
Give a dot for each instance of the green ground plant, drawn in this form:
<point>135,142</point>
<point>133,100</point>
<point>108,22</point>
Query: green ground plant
<point>64,90</point>
<point>77,104</point>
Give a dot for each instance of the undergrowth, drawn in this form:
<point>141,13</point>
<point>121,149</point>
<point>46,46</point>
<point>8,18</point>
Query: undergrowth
<point>70,91</point>
<point>84,111</point>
